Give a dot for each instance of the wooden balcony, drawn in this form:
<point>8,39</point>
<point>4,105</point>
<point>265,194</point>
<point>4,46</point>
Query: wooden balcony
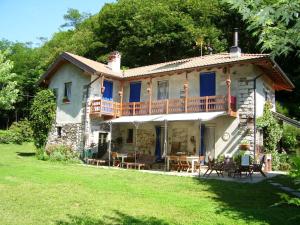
<point>166,106</point>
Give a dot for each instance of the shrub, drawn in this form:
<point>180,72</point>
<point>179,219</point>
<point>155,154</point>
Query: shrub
<point>41,154</point>
<point>289,137</point>
<point>42,116</point>
<point>22,131</point>
<point>6,137</point>
<point>62,153</point>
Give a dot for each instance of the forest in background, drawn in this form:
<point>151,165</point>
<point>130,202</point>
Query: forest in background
<point>154,31</point>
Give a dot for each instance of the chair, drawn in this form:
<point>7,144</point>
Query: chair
<point>198,164</point>
<point>174,163</point>
<point>213,165</point>
<point>116,161</point>
<point>147,160</point>
<point>258,167</point>
<point>244,167</point>
<point>184,165</point>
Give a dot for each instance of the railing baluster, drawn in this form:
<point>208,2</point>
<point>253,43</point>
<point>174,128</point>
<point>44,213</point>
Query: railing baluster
<point>133,112</point>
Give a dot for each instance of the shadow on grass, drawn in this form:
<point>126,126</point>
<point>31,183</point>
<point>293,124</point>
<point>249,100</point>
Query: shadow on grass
<point>250,202</point>
<point>116,218</point>
<point>26,154</point>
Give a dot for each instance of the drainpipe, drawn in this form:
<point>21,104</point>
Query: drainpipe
<point>86,105</point>
<point>254,115</point>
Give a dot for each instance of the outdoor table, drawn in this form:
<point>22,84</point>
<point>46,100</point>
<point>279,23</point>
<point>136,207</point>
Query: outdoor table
<point>122,156</point>
<point>193,159</point>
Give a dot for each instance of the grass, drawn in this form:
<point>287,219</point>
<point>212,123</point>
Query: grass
<point>287,181</point>
<point>38,192</point>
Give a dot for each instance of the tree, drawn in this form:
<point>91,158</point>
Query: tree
<point>74,18</point>
<point>8,90</point>
<point>42,116</point>
<point>276,23</point>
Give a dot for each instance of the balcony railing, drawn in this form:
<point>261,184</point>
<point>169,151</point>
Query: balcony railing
<point>166,106</point>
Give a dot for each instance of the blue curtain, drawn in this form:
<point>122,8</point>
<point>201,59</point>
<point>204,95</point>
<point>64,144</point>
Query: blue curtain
<point>208,84</point>
<point>135,92</point>
<point>108,91</point>
<point>158,145</point>
<point>202,150</point>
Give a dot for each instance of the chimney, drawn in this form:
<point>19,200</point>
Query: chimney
<point>114,61</point>
<point>235,50</point>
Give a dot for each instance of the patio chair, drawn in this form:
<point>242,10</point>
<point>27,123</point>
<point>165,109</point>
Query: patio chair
<point>116,161</point>
<point>213,165</point>
<point>198,164</point>
<point>147,160</point>
<point>244,167</point>
<point>174,163</point>
<point>258,167</point>
<point>184,165</point>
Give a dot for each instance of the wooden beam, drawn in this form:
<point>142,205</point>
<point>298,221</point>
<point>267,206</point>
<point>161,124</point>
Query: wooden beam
<point>186,92</point>
<point>149,89</point>
<point>121,94</point>
<point>228,84</point>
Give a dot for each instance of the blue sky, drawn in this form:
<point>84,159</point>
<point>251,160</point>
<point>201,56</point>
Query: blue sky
<point>25,20</point>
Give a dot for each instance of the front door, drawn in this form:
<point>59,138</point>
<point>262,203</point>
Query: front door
<point>209,141</point>
<point>135,92</point>
<point>102,145</point>
<point>208,84</point>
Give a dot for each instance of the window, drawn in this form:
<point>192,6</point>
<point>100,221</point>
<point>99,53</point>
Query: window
<point>58,131</point>
<point>162,90</point>
<point>129,136</point>
<point>267,94</point>
<point>67,93</point>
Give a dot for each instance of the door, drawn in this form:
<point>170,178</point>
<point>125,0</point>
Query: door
<point>208,84</point>
<point>102,145</point>
<point>135,92</point>
<point>108,90</point>
<point>209,142</point>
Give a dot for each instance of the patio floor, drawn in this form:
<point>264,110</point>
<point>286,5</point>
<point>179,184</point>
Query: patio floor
<point>256,177</point>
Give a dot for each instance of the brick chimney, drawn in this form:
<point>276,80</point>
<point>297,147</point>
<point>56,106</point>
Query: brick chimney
<point>235,50</point>
<point>114,61</point>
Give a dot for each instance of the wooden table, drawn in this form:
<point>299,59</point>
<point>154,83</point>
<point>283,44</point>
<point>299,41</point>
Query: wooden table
<point>134,165</point>
<point>193,159</point>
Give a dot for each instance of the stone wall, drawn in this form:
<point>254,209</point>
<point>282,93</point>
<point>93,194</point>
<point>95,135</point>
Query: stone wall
<point>145,141</point>
<point>71,135</point>
<point>246,109</point>
<point>180,135</point>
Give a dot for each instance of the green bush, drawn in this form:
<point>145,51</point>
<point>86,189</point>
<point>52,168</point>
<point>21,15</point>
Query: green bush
<point>23,131</point>
<point>42,116</point>
<point>62,153</point>
<point>290,137</point>
<point>41,154</point>
<point>6,137</point>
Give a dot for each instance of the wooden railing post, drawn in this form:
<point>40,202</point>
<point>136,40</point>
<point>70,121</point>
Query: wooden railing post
<point>167,106</point>
<point>186,93</point>
<point>149,90</point>
<point>206,103</point>
<point>228,83</point>
<point>133,112</point>
<point>121,98</point>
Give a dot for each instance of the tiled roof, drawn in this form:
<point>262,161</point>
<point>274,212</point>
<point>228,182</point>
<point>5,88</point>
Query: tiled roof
<point>99,67</point>
<point>207,60</point>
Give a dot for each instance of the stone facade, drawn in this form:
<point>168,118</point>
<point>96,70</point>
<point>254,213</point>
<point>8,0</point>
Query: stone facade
<point>71,135</point>
<point>180,135</point>
<point>145,140</point>
<point>246,108</point>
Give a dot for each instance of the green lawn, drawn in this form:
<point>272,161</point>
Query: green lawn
<point>38,192</point>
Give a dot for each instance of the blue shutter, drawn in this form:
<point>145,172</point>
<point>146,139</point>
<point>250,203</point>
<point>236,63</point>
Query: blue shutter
<point>135,92</point>
<point>108,91</point>
<point>208,84</point>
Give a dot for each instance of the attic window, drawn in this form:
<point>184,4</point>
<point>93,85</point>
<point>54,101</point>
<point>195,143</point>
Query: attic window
<point>67,92</point>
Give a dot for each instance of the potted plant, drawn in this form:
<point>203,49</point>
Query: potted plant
<point>66,100</point>
<point>245,145</point>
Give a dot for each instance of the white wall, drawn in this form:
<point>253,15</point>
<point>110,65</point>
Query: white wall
<point>69,112</point>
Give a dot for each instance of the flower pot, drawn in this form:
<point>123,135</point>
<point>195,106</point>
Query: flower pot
<point>244,146</point>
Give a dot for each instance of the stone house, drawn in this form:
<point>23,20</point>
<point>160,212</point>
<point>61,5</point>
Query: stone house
<point>203,105</point>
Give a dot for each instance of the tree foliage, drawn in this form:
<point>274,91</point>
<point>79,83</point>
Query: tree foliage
<point>277,23</point>
<point>42,116</point>
<point>271,129</point>
<point>8,90</point>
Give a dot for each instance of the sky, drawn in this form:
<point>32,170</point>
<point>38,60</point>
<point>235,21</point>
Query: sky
<point>26,20</point>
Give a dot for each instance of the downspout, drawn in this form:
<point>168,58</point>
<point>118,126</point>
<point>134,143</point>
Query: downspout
<point>86,105</point>
<point>254,115</point>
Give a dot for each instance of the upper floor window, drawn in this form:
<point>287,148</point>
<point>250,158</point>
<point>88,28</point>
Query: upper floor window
<point>162,90</point>
<point>67,92</point>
